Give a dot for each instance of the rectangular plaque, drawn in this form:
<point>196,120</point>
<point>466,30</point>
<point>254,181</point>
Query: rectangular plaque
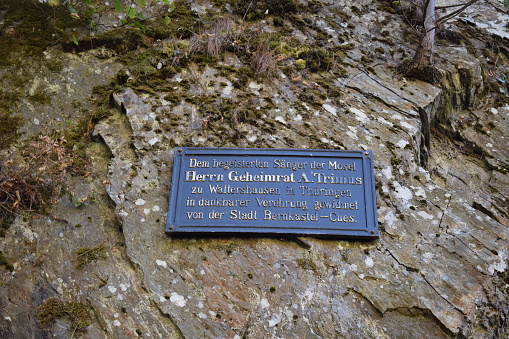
<point>273,191</point>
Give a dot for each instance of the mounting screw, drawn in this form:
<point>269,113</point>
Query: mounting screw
<point>180,151</point>
<point>372,232</point>
<point>366,153</point>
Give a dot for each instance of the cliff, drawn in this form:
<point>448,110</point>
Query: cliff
<point>87,254</point>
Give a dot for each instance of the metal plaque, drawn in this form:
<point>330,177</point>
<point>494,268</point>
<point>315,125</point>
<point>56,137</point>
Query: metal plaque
<point>273,191</point>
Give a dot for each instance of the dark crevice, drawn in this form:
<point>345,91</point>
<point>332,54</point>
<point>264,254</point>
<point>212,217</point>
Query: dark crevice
<point>124,44</point>
<point>426,313</point>
<point>460,179</point>
<point>439,294</point>
<point>464,244</point>
<point>408,268</point>
<point>484,210</point>
<point>167,316</point>
<point>360,296</point>
<point>425,144</point>
<point>369,95</point>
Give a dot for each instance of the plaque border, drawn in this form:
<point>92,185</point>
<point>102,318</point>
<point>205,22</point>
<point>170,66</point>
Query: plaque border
<point>369,232</point>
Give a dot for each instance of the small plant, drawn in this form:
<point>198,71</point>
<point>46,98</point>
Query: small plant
<point>264,62</point>
<point>75,312</point>
<point>31,177</point>
<point>132,12</point>
<point>214,39</point>
<point>257,9</point>
<point>5,263</point>
<point>9,126</point>
<point>86,255</point>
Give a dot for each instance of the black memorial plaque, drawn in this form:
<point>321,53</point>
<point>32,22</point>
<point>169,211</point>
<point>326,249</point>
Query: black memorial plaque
<point>272,191</point>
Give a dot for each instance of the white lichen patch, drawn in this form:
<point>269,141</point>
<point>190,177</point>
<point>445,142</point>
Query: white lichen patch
<point>359,115</point>
<point>276,319</point>
<point>383,121</point>
<point>419,191</point>
<point>252,138</point>
<point>280,119</point>
<point>264,303</point>
<point>402,143</point>
<point>255,87</point>
<point>411,129</point>
<point>178,300</point>
<point>389,219</point>
<point>162,263</point>
<point>139,202</point>
<point>153,141</point>
<point>331,109</point>
<point>387,172</point>
<point>402,193</point>
<point>352,133</point>
<point>500,265</point>
<point>425,215</point>
<point>112,289</point>
<point>369,262</point>
<point>428,255</point>
<point>227,91</point>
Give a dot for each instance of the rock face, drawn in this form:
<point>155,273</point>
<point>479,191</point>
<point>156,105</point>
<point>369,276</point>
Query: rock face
<point>438,270</point>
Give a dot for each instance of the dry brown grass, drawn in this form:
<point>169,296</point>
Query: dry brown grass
<point>264,61</point>
<point>30,177</point>
<point>213,40</point>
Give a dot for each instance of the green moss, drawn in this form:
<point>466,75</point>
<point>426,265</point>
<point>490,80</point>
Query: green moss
<point>86,255</point>
<point>9,126</point>
<point>75,312</point>
<point>40,97</point>
<point>182,24</point>
<point>11,97</point>
<point>307,264</point>
<point>319,60</point>
<point>257,9</point>
<point>300,63</point>
<point>55,64</point>
<point>282,43</point>
<point>5,263</point>
<point>396,161</point>
<point>32,27</point>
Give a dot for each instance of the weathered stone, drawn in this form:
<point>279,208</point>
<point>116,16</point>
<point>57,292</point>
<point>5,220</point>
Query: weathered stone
<point>438,270</point>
